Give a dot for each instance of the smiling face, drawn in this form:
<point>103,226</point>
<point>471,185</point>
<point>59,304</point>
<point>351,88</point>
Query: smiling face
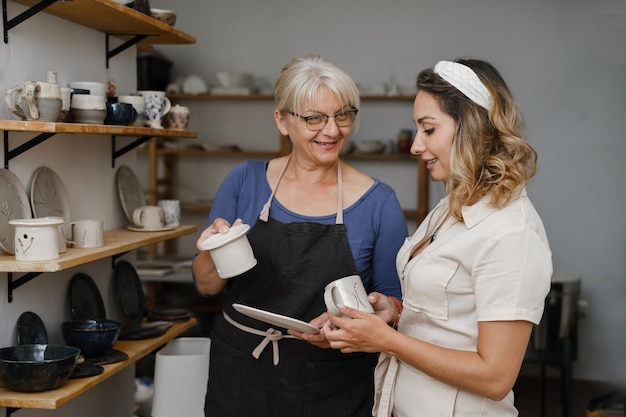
<point>434,137</point>
<point>322,146</point>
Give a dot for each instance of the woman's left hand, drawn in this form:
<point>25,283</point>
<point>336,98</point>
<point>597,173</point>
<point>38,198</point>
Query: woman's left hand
<point>317,339</point>
<point>360,332</point>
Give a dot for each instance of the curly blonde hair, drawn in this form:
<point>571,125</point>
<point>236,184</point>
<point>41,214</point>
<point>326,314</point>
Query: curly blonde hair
<point>489,155</point>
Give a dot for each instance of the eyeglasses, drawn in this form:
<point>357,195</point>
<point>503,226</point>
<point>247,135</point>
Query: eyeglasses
<point>317,122</point>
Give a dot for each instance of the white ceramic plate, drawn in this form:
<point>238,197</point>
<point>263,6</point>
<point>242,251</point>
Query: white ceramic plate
<point>149,229</point>
<point>275,319</point>
<point>129,190</point>
<point>48,195</point>
<point>14,204</point>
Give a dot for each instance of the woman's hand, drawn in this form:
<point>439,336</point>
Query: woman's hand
<point>317,339</point>
<point>360,331</point>
<point>218,226</point>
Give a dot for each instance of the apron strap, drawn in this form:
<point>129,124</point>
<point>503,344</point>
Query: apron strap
<point>271,335</point>
<point>265,211</point>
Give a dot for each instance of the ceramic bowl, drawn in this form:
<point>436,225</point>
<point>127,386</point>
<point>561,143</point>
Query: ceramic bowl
<point>165,16</point>
<point>90,116</point>
<point>120,114</point>
<point>38,367</point>
<point>95,338</point>
<point>369,147</point>
<point>95,88</point>
<point>234,79</point>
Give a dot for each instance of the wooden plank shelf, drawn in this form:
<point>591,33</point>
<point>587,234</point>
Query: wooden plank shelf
<point>116,242</point>
<point>52,400</point>
<point>58,127</point>
<point>112,18</point>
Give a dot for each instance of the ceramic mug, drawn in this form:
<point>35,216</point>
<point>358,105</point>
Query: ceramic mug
<point>171,212</point>
<point>178,117</point>
<point>348,291</point>
<point>231,252</point>
<point>36,239</point>
<point>139,104</point>
<point>148,217</point>
<point>85,233</point>
<point>157,106</point>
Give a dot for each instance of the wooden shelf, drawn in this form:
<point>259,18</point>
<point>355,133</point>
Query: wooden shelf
<point>268,97</point>
<point>52,400</point>
<point>115,242</point>
<point>112,18</point>
<point>58,127</point>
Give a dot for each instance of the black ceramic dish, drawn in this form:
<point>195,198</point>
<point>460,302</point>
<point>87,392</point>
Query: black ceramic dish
<point>85,299</point>
<point>38,367</point>
<point>31,330</point>
<point>131,298</point>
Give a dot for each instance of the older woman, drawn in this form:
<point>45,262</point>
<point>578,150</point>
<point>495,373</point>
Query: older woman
<point>475,273</point>
<point>315,219</point>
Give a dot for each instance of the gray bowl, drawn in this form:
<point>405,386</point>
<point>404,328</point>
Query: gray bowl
<point>92,116</point>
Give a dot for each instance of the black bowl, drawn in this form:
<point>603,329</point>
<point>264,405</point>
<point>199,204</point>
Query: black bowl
<point>94,338</point>
<point>37,367</point>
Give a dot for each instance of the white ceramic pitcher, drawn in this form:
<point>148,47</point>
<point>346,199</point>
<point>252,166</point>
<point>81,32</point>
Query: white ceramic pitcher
<point>36,100</point>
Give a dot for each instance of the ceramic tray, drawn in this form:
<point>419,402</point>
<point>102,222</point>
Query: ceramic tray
<point>48,195</point>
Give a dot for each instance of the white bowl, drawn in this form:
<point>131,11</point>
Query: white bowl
<point>234,79</point>
<point>369,146</point>
<point>165,16</point>
<point>95,88</point>
<point>88,102</point>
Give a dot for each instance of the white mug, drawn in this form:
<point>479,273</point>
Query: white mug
<point>85,233</point>
<point>171,212</point>
<point>348,291</point>
<point>36,239</point>
<point>148,217</point>
<point>157,106</point>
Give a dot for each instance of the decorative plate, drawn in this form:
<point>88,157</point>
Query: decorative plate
<point>85,298</point>
<point>275,319</point>
<point>14,204</point>
<point>129,292</point>
<point>31,330</point>
<point>48,195</point>
<point>129,190</point>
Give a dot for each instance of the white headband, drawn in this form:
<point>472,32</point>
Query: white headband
<point>466,81</point>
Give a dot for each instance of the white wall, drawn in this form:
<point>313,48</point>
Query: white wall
<point>83,162</point>
<point>564,60</point>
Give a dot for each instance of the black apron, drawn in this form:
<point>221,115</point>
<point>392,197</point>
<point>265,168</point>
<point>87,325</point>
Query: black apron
<point>295,262</point>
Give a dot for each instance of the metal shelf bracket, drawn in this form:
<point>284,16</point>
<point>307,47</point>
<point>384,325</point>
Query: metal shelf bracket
<point>115,51</point>
<point>13,284</point>
<point>10,154</point>
<point>10,24</point>
<point>117,153</point>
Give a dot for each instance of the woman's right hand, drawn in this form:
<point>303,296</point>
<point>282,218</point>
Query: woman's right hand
<point>219,225</point>
<point>207,280</point>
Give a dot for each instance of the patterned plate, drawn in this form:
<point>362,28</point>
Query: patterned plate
<point>14,204</point>
<point>129,190</point>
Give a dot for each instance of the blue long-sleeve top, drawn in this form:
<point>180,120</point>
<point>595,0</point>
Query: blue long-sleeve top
<point>375,224</point>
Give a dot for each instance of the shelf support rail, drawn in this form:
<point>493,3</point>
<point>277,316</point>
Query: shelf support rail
<point>11,410</point>
<point>13,284</point>
<point>117,153</point>
<point>115,51</point>
<point>8,155</point>
<point>10,24</point>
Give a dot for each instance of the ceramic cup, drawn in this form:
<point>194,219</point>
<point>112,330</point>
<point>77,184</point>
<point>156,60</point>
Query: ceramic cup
<point>139,104</point>
<point>95,88</point>
<point>148,217</point>
<point>171,212</point>
<point>348,291</point>
<point>36,239</point>
<point>85,233</point>
<point>231,251</point>
<point>157,106</point>
<point>178,117</point>
<point>122,114</point>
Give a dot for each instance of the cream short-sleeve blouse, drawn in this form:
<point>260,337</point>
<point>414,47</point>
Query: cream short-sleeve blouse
<point>496,265</point>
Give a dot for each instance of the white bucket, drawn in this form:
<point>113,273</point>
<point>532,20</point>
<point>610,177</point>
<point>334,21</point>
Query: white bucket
<point>181,375</point>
